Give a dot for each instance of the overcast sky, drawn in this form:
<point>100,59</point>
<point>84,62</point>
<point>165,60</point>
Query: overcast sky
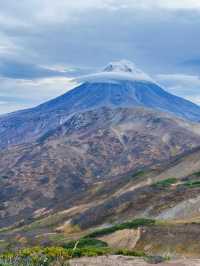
<point>44,43</point>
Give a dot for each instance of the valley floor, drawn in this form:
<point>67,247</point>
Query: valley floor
<point>128,261</point>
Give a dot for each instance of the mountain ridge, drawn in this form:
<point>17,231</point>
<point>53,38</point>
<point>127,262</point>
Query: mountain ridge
<point>28,125</point>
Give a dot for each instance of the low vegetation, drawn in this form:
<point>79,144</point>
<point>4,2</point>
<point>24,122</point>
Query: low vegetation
<point>171,181</point>
<point>52,256</point>
<point>86,242</point>
<point>128,225</point>
<point>126,252</point>
<point>138,174</point>
<point>86,246</point>
<point>59,256</point>
<point>197,174</point>
<point>166,182</point>
<point>192,184</point>
<point>38,256</point>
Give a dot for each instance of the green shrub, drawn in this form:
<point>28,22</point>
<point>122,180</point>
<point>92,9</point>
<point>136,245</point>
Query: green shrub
<point>126,252</point>
<point>197,174</point>
<point>92,251</point>
<point>192,184</point>
<point>166,182</point>
<point>128,225</point>
<point>138,173</point>
<point>86,242</point>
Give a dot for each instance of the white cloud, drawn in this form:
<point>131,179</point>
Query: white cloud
<point>50,10</point>
<point>78,33</point>
<point>169,4</point>
<point>164,4</point>
<point>36,90</point>
<point>8,107</point>
<point>177,4</point>
<point>20,94</point>
<point>187,86</point>
<point>183,78</point>
<point>6,45</point>
<point>84,4</point>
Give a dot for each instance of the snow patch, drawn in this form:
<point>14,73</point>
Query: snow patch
<point>115,72</point>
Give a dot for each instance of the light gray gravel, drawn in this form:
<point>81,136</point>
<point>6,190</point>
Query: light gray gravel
<point>128,261</point>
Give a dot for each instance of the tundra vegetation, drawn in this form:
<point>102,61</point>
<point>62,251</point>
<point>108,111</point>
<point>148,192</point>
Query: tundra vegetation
<point>88,246</point>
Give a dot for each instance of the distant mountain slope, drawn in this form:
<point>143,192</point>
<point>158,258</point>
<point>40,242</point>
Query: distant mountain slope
<point>121,84</point>
<point>149,193</point>
<point>61,168</point>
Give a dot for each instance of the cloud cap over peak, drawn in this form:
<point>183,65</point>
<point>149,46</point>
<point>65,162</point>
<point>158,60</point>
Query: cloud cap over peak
<point>61,39</point>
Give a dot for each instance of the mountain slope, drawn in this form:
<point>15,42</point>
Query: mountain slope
<point>62,167</point>
<point>119,85</point>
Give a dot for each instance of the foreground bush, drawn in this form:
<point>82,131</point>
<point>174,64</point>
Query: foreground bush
<point>48,256</point>
<point>58,256</point>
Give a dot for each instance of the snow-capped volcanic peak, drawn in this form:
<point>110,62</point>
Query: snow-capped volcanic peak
<point>117,71</point>
<point>122,66</point>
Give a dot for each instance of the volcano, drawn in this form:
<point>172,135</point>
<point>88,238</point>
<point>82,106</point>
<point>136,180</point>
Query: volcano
<point>120,85</point>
